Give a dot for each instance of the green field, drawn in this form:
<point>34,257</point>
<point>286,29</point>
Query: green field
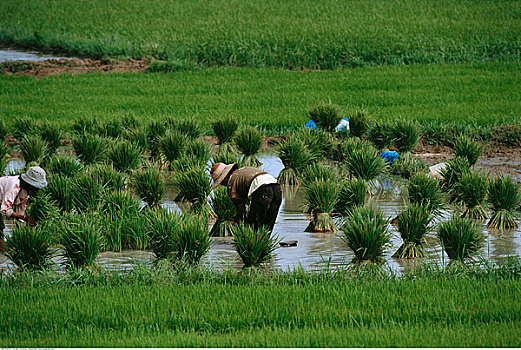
<point>291,34</point>
<point>478,94</point>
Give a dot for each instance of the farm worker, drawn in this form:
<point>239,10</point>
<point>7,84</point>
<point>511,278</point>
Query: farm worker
<point>14,193</point>
<point>253,185</point>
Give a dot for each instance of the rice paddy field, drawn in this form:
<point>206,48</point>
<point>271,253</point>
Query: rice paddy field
<point>132,249</point>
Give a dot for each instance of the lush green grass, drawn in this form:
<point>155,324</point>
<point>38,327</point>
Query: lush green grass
<point>285,310</point>
<point>480,94</point>
<point>282,33</point>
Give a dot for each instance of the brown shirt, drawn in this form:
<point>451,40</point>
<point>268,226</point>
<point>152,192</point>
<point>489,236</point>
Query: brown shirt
<point>240,182</point>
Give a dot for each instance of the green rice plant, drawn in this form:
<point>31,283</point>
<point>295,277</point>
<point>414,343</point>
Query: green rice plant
<point>295,155</point>
<point>61,189</point>
<point>191,239</point>
<point>460,238</point>
<point>318,171</point>
<point>149,185</point>
<point>89,148</point>
<point>381,135</point>
<point>472,190</point>
<point>82,241</point>
<point>504,197</point>
<point>23,126</point>
<point>4,131</point>
<point>199,149</point>
<point>42,207</point>
<point>194,185</point>
<point>366,234</point>
<point>124,155</point>
<point>407,165</point>
<point>224,129</point>
<point>321,197</point>
<point>155,131</point>
<point>88,193</point>
<point>249,142</point>
<point>86,125</point>
<point>63,165</point>
<point>225,211</point>
<point>28,248</point>
<point>365,164</point>
<point>353,193</point>
<point>108,177</point>
<point>4,153</point>
<point>426,192</point>
<point>187,162</point>
<point>139,138</point>
<point>172,145</point>
<point>50,133</point>
<point>465,147</point>
<point>319,142</point>
<point>453,172</point>
<point>326,116</point>
<point>130,122</point>
<point>33,148</point>
<point>226,154</point>
<point>346,147</point>
<point>359,123</point>
<point>112,128</point>
<point>189,127</point>
<point>413,224</point>
<point>254,246</point>
<point>161,228</point>
<point>405,135</point>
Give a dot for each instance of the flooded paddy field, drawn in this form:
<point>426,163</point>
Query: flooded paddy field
<point>316,251</point>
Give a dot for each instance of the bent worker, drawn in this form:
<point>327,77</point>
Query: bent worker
<point>14,194</point>
<point>252,185</point>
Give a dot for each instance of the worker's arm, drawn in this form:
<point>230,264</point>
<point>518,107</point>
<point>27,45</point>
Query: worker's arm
<point>240,210</point>
<point>26,218</point>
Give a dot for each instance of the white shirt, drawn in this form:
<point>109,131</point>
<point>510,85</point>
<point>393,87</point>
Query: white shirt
<point>12,197</point>
<point>260,180</point>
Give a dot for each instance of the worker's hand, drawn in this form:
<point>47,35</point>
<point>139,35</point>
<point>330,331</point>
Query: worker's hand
<point>30,220</point>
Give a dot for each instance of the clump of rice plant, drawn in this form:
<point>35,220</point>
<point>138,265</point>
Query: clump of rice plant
<point>199,149</point>
<point>460,238</point>
<point>172,145</point>
<point>191,239</point>
<point>88,193</point>
<point>43,207</point>
<point>50,133</point>
<point>326,116</point>
<point>381,135</point>
<point>466,148</point>
<point>108,177</point>
<point>226,154</point>
<point>81,240</point>
<point>353,193</point>
<point>4,150</point>
<point>318,171</point>
<point>224,129</point>
<point>86,125</point>
<point>426,192</point>
<point>194,185</point>
<point>161,228</point>
<point>366,234</point>
<point>249,142</point>
<point>321,196</point>
<point>155,131</point>
<point>149,185</point>
<point>189,127</point>
<point>112,128</point>
<point>224,208</point>
<point>365,164</point>
<point>345,148</point>
<point>3,131</point>
<point>453,172</point>
<point>405,135</point>
<point>23,126</point>
<point>61,189</point>
<point>33,148</point>
<point>28,248</point>
<point>319,142</point>
<point>472,190</point>
<point>295,155</point>
<point>63,165</point>
<point>504,198</point>
<point>254,246</point>
<point>124,155</point>
<point>89,148</point>
<point>359,123</point>
<point>413,224</point>
<point>407,165</point>
<point>139,138</point>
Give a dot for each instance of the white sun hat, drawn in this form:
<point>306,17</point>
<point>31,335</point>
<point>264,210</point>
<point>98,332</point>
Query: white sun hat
<point>35,176</point>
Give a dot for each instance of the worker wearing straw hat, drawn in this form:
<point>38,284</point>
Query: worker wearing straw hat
<point>14,193</point>
<point>252,185</point>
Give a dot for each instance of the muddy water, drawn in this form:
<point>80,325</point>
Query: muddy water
<point>316,251</point>
<point>14,55</point>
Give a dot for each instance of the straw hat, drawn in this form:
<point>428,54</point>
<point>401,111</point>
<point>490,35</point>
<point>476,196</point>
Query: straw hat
<point>35,176</point>
<point>219,172</point>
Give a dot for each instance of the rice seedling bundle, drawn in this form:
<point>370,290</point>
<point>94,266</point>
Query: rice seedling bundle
<point>353,193</point>
<point>4,150</point>
<point>224,129</point>
<point>194,185</point>
<point>345,148</point>
<point>50,133</point>
<point>254,246</point>
<point>226,154</point>
<point>460,238</point>
<point>172,145</point>
<point>161,229</point>
<point>61,189</point>
<point>112,128</point>
<point>407,165</point>
<point>426,192</point>
<point>466,148</point>
<point>82,241</point>
<point>86,125</point>
<point>365,164</point>
<point>23,126</point>
<point>249,142</point>
<point>504,198</point>
<point>149,185</point>
<point>189,127</point>
<point>199,149</point>
<point>63,165</point>
<point>33,148</point>
<point>472,191</point>
<point>319,142</point>
<point>326,116</point>
<point>295,155</point>
<point>130,122</point>
<point>321,196</point>
<point>366,234</point>
<point>88,193</point>
<point>28,248</point>
<point>191,239</point>
<point>124,155</point>
<point>452,173</point>
<point>224,209</point>
<point>359,123</point>
<point>108,177</point>
<point>187,162</point>
<point>3,131</point>
<point>413,224</point>
<point>89,148</point>
<point>155,131</point>
<point>405,135</point>
<point>318,171</point>
<point>139,138</point>
<point>381,135</point>
<point>43,207</point>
